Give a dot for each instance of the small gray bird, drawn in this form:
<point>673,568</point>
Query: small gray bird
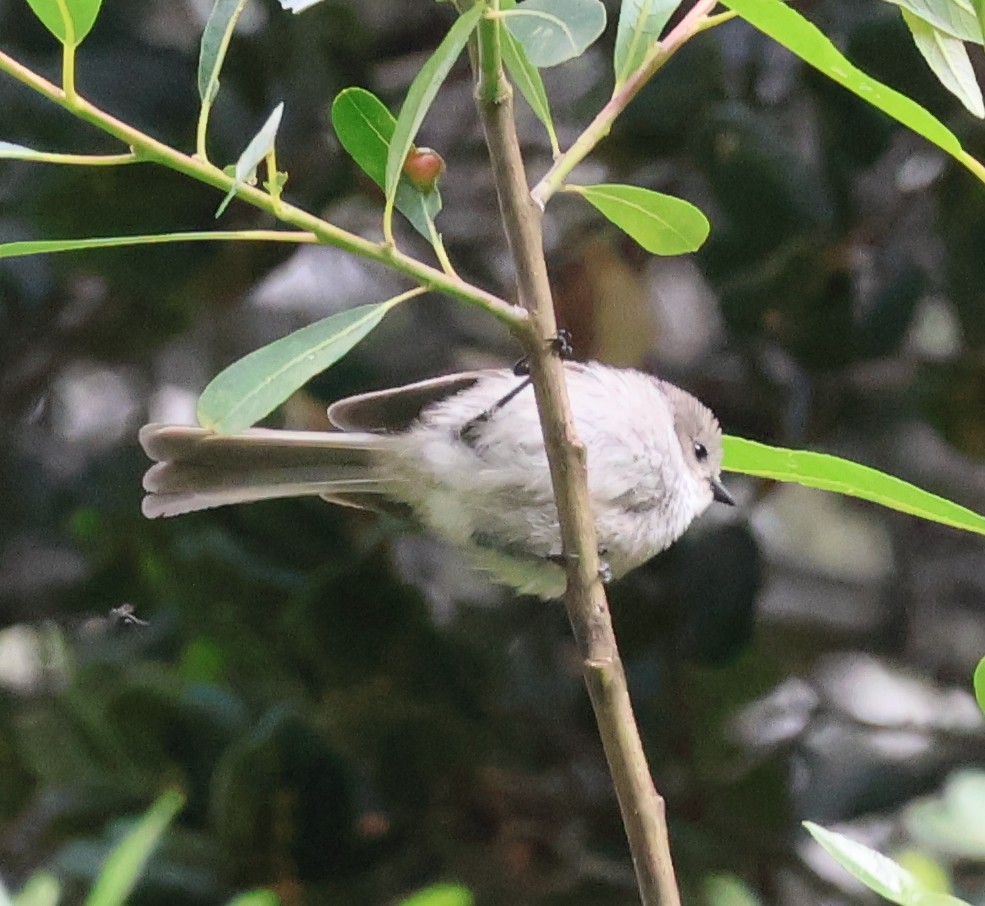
<point>464,455</point>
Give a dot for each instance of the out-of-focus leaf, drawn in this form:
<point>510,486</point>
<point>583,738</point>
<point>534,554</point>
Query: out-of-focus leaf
<point>422,92</point>
<point>948,58</point>
<point>440,895</point>
<point>215,41</point>
<point>662,224</point>
<point>950,824</point>
<point>528,80</point>
<point>42,889</point>
<point>256,897</point>
<point>954,17</point>
<point>789,28</point>
<point>47,246</point>
<point>832,473</point>
<point>640,24</point>
<point>253,386</point>
<point>552,31</point>
<point>126,862</point>
<point>365,127</point>
<point>980,16</point>
<point>259,147</point>
<point>728,890</point>
<point>69,21</point>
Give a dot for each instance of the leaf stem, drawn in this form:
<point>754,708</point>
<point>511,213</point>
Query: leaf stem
<point>148,148</point>
<point>692,23</point>
<point>588,610</point>
<point>80,160</point>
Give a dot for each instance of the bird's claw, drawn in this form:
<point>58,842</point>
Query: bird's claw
<point>560,344</point>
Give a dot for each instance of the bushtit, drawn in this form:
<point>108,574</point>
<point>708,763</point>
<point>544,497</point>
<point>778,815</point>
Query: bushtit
<point>464,454</point>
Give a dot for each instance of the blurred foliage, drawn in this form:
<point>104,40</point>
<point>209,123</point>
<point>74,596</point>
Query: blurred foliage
<point>349,719</point>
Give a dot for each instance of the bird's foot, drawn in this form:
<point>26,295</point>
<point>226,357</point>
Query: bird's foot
<point>605,571</point>
<point>560,345</point>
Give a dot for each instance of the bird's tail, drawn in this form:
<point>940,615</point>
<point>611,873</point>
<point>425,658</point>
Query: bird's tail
<point>196,470</point>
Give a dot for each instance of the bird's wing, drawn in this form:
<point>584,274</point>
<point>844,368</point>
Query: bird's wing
<point>394,410</point>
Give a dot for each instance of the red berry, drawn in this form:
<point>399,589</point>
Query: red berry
<point>423,168</point>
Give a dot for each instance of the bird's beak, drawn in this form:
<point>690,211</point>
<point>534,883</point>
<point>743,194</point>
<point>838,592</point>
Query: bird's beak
<point>720,493</point>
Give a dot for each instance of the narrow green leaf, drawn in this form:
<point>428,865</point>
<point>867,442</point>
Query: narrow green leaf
<point>256,384</point>
<point>552,31</point>
<point>42,889</point>
<point>48,246</point>
<point>789,28</point>
<point>980,684</point>
<point>662,224</point>
<point>215,41</point>
<point>874,870</point>
<point>126,862</point>
<point>878,872</point>
<point>364,128</point>
<point>259,147</point>
<point>528,80</point>
<point>954,17</point>
<point>832,473</point>
<point>69,20</point>
<point>640,24</point>
<point>948,59</point>
<point>422,92</point>
<point>440,895</point>
<point>255,898</point>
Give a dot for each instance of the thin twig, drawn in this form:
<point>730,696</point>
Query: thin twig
<point>585,600</point>
<point>150,149</point>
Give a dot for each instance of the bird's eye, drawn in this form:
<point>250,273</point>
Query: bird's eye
<point>700,451</point>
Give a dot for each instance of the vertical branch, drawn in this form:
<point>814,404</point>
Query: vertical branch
<point>588,610</point>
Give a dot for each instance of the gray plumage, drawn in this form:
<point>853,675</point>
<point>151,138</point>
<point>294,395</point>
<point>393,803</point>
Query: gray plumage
<point>654,457</point>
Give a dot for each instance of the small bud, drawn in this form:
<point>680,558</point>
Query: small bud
<point>423,168</point>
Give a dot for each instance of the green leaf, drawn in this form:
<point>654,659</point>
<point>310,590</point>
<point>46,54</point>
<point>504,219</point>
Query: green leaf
<point>259,147</point>
<point>69,20</point>
<point>980,684</point>
<point>440,895</point>
<point>640,24</point>
<point>954,17</point>
<point>528,80</point>
<point>948,58</point>
<point>215,42</point>
<point>365,127</point>
<point>126,862</point>
<point>422,92</point>
<point>662,224</point>
<point>255,385</point>
<point>832,473</point>
<point>42,889</point>
<point>552,31</point>
<point>980,16</point>
<point>789,28</point>
<point>874,870</point>
<point>48,246</point>
<point>255,898</point>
